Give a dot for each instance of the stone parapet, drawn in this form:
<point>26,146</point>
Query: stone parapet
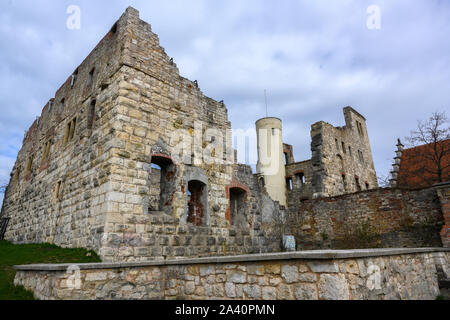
<point>378,274</point>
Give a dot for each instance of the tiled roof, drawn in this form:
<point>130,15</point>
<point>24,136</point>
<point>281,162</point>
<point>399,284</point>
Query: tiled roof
<point>417,168</point>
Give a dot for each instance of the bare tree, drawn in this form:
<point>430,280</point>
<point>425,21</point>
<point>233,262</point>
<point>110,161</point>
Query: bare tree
<point>432,162</point>
<point>384,181</point>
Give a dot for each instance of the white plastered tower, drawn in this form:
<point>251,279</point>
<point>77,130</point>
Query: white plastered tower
<point>271,165</point>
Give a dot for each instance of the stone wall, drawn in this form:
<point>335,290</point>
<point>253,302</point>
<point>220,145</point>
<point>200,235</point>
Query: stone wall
<point>443,191</point>
<point>376,218</point>
<point>330,275</point>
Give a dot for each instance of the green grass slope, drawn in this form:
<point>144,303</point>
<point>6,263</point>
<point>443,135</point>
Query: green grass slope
<point>11,255</point>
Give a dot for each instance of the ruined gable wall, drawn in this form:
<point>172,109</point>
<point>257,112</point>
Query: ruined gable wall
<point>78,168</point>
<point>155,101</point>
<point>331,160</point>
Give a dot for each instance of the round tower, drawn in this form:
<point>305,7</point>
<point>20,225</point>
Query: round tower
<point>270,166</point>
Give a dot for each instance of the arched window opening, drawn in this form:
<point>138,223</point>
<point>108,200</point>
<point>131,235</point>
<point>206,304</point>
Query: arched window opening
<point>300,180</point>
<point>262,183</point>
<point>162,185</point>
<point>197,202</point>
<point>238,197</point>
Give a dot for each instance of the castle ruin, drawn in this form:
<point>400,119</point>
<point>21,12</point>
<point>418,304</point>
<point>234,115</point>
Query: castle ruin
<point>128,159</point>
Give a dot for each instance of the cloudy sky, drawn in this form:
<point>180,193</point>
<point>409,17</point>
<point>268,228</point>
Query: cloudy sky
<point>314,57</point>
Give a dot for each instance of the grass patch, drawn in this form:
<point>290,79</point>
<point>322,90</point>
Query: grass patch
<point>11,255</point>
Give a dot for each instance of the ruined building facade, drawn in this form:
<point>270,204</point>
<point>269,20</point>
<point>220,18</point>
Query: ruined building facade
<point>106,165</point>
<point>96,169</point>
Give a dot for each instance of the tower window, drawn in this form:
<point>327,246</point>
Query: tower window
<point>360,128</point>
<point>343,147</point>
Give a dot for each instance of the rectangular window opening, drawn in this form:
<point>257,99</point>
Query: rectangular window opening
<point>29,165</point>
<point>58,190</point>
<point>70,131</point>
<point>91,77</point>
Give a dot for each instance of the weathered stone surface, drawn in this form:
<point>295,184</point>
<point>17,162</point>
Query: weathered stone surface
<point>307,277</point>
<point>319,266</point>
<point>289,273</point>
<point>306,292</point>
<point>333,287</point>
<point>236,277</point>
<point>389,276</point>
<point>252,291</point>
<point>230,290</point>
<point>269,293</point>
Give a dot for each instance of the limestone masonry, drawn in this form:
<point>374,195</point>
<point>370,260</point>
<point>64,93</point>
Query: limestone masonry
<point>406,274</point>
<point>132,160</point>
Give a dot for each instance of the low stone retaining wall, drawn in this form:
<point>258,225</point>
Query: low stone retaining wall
<point>380,274</point>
